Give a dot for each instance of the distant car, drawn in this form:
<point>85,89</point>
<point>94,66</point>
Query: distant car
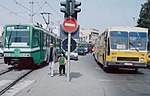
<point>81,51</point>
<point>86,50</point>
<point>73,55</point>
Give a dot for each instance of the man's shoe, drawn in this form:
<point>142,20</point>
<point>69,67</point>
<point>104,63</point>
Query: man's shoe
<point>52,75</point>
<point>60,74</point>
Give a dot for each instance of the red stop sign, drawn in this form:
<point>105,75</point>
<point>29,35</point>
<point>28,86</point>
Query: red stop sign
<point>70,25</point>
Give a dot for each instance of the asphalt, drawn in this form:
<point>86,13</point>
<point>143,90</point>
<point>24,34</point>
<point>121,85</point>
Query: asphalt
<point>86,79</point>
<point>82,81</point>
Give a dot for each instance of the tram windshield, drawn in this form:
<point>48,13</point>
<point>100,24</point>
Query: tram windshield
<point>16,37</point>
<point>119,40</point>
<point>137,40</point>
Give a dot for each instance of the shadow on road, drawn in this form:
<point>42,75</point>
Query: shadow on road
<point>120,71</point>
<point>75,75</point>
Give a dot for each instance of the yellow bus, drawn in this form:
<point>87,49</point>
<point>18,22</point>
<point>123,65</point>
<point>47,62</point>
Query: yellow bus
<point>122,47</point>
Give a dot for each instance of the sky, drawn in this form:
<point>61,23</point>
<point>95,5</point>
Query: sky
<point>96,14</point>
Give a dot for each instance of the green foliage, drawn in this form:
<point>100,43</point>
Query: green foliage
<point>144,20</point>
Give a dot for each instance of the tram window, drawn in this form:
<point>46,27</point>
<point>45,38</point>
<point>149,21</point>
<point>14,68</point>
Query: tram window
<point>48,40</point>
<point>36,37</point>
<point>45,39</point>
<point>17,38</point>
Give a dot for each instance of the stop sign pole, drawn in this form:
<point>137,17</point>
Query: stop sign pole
<point>69,25</point>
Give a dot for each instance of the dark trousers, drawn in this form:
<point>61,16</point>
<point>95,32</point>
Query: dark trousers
<point>61,67</point>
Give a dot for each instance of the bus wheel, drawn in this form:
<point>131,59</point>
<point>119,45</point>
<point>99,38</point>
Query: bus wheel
<point>106,69</point>
<point>136,69</point>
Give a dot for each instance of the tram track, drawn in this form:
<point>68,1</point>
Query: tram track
<point>6,71</point>
<point>20,77</point>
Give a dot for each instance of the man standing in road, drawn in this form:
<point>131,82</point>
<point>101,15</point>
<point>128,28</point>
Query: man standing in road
<point>52,58</point>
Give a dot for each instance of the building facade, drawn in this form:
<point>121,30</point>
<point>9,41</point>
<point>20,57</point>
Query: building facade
<point>88,35</point>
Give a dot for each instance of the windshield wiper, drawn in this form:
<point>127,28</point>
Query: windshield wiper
<point>134,46</point>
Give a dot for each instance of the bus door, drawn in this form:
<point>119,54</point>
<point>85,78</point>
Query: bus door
<point>107,44</point>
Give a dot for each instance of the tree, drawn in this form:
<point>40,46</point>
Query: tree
<point>144,20</point>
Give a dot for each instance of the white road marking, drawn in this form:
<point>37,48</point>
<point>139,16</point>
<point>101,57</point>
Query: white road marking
<point>98,68</point>
<point>103,80</point>
<point>18,87</point>
<point>4,82</point>
<point>69,25</point>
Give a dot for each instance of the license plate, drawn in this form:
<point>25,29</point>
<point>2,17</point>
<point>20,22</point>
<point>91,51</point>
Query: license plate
<point>128,64</point>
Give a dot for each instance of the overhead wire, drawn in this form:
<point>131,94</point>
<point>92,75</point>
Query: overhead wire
<point>39,8</point>
<point>55,22</point>
<point>13,12</point>
<point>21,5</point>
<point>27,9</point>
<point>39,4</point>
<point>53,9</point>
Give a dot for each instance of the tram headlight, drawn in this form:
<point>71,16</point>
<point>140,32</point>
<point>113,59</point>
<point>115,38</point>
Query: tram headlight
<point>114,58</point>
<point>141,59</point>
<point>7,54</point>
<point>26,55</point>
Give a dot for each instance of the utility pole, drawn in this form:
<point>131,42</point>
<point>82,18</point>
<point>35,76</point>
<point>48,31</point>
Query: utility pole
<point>31,11</point>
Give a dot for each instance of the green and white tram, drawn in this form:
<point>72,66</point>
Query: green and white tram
<point>25,45</point>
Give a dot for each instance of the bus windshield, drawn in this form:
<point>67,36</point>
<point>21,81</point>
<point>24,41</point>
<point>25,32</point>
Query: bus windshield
<point>119,40</point>
<point>17,38</point>
<point>137,40</point>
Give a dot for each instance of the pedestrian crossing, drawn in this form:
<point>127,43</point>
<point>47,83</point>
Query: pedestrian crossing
<point>16,88</point>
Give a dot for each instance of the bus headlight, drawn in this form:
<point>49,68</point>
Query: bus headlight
<point>26,55</point>
<point>114,58</point>
<point>6,54</point>
<point>141,59</point>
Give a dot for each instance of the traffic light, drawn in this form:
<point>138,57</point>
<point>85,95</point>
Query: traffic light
<point>75,9</point>
<point>70,11</point>
<point>71,8</point>
<point>65,10</point>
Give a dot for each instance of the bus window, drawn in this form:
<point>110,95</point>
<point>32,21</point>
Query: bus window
<point>137,40</point>
<point>119,40</point>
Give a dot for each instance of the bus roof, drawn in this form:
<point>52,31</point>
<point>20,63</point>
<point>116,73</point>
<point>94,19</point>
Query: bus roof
<point>137,29</point>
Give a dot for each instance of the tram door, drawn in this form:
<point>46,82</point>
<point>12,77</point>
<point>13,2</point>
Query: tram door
<point>41,45</point>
